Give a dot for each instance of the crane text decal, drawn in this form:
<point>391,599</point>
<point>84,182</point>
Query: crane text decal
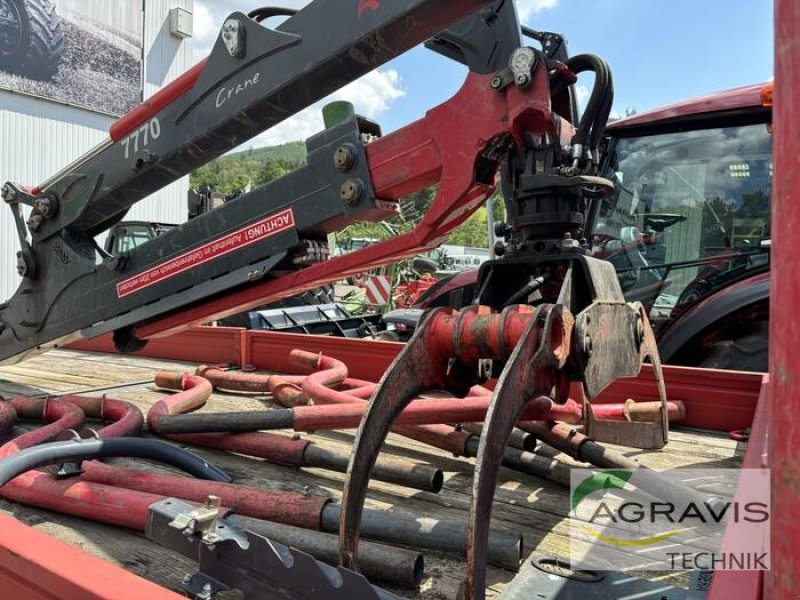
<point>255,232</point>
<point>224,94</point>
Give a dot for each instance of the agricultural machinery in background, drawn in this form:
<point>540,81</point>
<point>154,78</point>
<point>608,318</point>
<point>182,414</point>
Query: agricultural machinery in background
<point>687,228</point>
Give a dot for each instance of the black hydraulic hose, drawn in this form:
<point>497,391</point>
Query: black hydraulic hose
<point>267,12</point>
<point>599,125</point>
<point>526,290</point>
<point>598,109</point>
<point>73,450</point>
<point>580,64</point>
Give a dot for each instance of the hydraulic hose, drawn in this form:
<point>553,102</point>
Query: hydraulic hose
<point>595,116</point>
<point>57,452</point>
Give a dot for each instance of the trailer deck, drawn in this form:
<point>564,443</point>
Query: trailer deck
<point>531,506</point>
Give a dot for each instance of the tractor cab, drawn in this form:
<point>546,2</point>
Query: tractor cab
<point>690,214</point>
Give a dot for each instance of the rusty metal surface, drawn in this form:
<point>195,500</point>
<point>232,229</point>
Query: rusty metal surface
<point>784,425</point>
<point>415,369</point>
<point>652,433</point>
<point>36,566</point>
<point>534,369</point>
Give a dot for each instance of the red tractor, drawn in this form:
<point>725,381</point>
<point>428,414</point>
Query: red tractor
<point>687,228</point>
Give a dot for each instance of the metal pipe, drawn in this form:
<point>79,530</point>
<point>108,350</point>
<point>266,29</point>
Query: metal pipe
<point>505,548</point>
<point>291,508</point>
<point>573,443</point>
<point>91,501</point>
<point>59,415</point>
<point>125,418</point>
<point>275,448</point>
<point>349,415</point>
<point>317,388</point>
<point>419,476</point>
<point>378,562</point>
<point>529,463</point>
<point>8,416</point>
<point>285,388</point>
<point>439,436</point>
<point>56,452</point>
<point>522,440</point>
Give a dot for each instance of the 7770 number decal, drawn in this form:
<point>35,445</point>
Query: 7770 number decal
<point>141,137</point>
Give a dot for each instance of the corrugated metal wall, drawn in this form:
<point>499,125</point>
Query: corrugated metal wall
<point>39,137</point>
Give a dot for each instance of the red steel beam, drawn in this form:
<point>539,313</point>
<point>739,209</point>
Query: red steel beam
<point>35,566</point>
<point>746,584</point>
<point>784,427</point>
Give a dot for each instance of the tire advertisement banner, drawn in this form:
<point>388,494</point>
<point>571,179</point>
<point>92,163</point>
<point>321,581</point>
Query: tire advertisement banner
<point>86,53</point>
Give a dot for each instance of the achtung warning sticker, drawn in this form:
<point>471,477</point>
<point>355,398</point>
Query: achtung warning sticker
<point>236,240</point>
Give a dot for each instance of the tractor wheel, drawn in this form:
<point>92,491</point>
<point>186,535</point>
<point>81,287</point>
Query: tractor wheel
<point>31,38</point>
<point>748,351</point>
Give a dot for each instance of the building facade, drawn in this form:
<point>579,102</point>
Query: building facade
<point>93,61</point>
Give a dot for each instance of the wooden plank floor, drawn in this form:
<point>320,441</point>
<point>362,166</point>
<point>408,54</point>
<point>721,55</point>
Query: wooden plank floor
<point>536,508</point>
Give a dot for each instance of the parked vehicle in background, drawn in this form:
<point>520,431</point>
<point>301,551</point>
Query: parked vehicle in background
<point>464,262</point>
<point>687,228</point>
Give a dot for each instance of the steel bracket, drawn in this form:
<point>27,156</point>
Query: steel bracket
<point>232,558</point>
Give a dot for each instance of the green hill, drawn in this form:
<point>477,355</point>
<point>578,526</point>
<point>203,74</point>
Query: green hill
<point>254,167</point>
<point>291,151</point>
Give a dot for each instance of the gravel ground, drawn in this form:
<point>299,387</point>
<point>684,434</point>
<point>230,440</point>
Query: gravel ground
<point>95,74</point>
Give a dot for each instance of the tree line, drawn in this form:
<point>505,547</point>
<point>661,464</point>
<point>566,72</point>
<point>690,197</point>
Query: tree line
<point>257,166</point>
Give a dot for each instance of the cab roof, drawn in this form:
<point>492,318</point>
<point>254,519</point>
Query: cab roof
<point>747,96</point>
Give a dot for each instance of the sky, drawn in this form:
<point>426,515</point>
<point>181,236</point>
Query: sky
<point>659,51</point>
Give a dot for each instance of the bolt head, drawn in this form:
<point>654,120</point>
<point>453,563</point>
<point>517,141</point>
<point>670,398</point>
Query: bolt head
<point>350,191</point>
<point>496,83</point>
<point>587,345</point>
<point>35,222</point>
<point>344,157</point>
<point>22,265</point>
<point>522,80</point>
<point>8,193</point>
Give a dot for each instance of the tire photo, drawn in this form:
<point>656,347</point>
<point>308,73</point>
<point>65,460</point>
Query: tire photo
<point>31,38</point>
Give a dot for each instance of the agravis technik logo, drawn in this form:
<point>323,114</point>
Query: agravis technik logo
<point>685,519</point>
